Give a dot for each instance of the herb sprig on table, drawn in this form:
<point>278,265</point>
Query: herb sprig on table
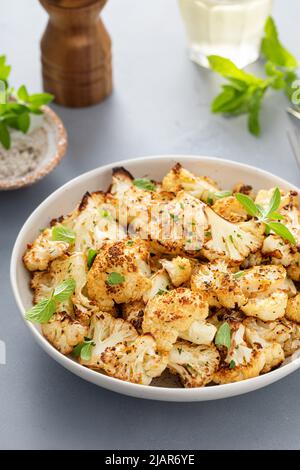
<point>245,92</point>
<point>18,106</point>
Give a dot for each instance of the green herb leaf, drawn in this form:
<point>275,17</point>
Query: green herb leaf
<point>22,93</point>
<point>63,234</point>
<point>114,279</point>
<point>238,274</point>
<point>248,205</point>
<point>40,99</point>
<point>274,202</point>
<point>273,50</point>
<point>91,257</point>
<point>41,312</point>
<point>275,216</point>
<point>282,231</point>
<point>228,69</point>
<point>129,243</point>
<point>84,349</point>
<point>64,290</point>
<point>254,110</point>
<point>4,135</point>
<point>23,121</point>
<point>232,364</point>
<point>223,336</point>
<point>144,183</point>
<point>4,69</point>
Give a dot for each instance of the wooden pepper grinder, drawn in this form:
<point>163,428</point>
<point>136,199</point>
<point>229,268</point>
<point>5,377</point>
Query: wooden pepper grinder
<point>76,52</point>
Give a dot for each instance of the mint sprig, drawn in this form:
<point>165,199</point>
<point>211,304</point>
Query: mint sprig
<point>223,335</point>
<point>245,92</point>
<point>63,234</point>
<point>144,183</point>
<point>84,349</point>
<point>268,216</point>
<point>45,309</point>
<point>15,112</point>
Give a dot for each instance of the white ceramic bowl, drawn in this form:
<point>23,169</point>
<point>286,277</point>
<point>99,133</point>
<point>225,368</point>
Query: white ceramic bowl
<point>65,198</point>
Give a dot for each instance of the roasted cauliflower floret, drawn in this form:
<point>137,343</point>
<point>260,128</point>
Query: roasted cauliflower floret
<point>267,308</point>
<point>177,227</point>
<point>292,344</point>
<point>160,283</point>
<point>120,273</point>
<point>251,369</point>
<point>133,312</point>
<point>293,309</point>
<point>277,250</point>
<point>172,313</point>
<point>138,362</point>
<point>230,209</point>
<point>179,270</point>
<point>263,333</point>
<point>63,332</point>
<point>75,267</point>
<point>218,285</point>
<point>231,242</point>
<point>43,250</point>
<point>239,352</point>
<point>259,279</point>
<point>195,364</point>
<point>264,197</point>
<point>274,356</point>
<point>106,332</point>
<point>181,179</point>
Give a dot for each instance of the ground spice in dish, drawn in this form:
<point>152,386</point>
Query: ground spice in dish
<point>25,154</point>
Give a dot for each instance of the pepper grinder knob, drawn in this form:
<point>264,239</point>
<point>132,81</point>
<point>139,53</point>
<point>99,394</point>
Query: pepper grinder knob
<point>76,52</point>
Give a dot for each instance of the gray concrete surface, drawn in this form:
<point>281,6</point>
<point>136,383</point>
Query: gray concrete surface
<point>160,105</point>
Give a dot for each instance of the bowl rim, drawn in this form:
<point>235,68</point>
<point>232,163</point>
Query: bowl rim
<point>128,388</point>
<point>43,170</point>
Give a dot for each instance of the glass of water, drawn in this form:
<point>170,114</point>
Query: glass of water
<point>230,28</point>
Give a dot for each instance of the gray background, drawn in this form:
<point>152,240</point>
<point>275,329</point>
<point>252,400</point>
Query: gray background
<point>160,105</point>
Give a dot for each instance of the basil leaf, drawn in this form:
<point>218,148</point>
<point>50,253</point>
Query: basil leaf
<point>63,234</point>
<point>23,93</point>
<point>274,202</point>
<point>64,290</point>
<point>282,231</point>
<point>86,351</point>
<point>248,205</point>
<point>41,312</point>
<point>23,121</point>
<point>273,49</point>
<point>275,216</point>
<point>4,136</point>
<point>144,183</point>
<point>228,69</point>
<point>91,257</point>
<point>114,279</point>
<point>223,336</point>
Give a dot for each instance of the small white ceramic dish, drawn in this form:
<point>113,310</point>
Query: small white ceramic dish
<point>55,150</point>
<point>64,199</point>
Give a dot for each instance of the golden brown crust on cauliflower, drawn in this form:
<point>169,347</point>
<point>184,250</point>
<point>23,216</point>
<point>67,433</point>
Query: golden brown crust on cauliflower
<point>133,312</point>
<point>131,264</point>
<point>253,368</point>
<point>267,308</point>
<point>63,332</point>
<point>293,309</point>
<point>230,209</point>
<point>138,362</point>
<point>172,313</point>
<point>195,364</point>
<point>43,250</point>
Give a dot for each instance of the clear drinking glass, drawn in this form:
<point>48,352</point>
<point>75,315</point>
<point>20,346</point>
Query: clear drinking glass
<point>230,28</point>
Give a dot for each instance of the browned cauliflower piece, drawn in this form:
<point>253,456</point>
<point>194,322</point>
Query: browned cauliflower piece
<point>264,196</point>
<point>120,273</point>
<point>179,179</point>
<point>172,313</point>
<point>43,250</point>
<point>251,369</point>
<point>267,308</point>
<point>231,242</point>
<point>293,309</point>
<point>63,332</point>
<point>160,283</point>
<point>106,332</point>
<point>133,312</point>
<point>138,362</point>
<point>195,364</point>
<point>274,356</point>
<point>218,285</point>
<point>244,189</point>
<point>293,342</point>
<point>177,227</point>
<point>230,209</point>
<point>262,279</point>
<point>263,333</point>
<point>179,269</point>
